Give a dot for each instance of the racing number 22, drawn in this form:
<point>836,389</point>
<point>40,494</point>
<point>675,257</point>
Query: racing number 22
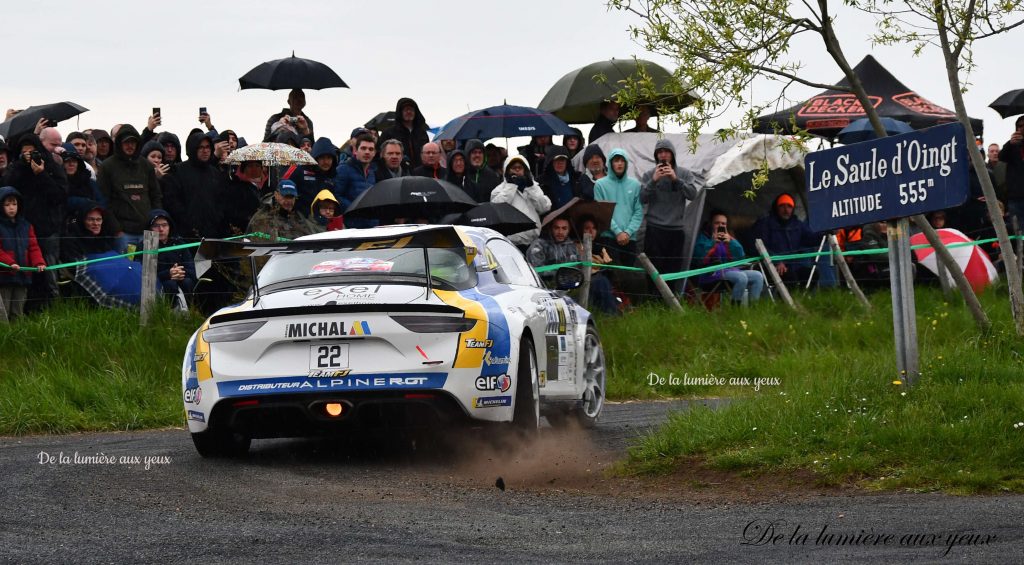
<point>328,357</point>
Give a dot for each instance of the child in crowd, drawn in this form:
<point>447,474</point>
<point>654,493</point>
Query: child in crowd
<point>326,211</point>
<point>18,249</point>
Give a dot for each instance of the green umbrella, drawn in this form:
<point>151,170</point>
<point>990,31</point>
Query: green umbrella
<point>577,96</point>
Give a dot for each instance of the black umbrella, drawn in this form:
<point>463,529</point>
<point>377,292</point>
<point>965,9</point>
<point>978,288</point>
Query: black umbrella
<point>410,197</point>
<point>501,217</point>
<point>27,119</point>
<point>291,72</point>
<point>1009,104</point>
<point>381,121</point>
<point>577,96</point>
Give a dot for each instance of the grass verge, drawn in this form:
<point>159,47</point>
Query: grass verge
<point>836,409</point>
<point>76,367</point>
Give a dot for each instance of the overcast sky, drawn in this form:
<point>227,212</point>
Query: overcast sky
<point>122,59</point>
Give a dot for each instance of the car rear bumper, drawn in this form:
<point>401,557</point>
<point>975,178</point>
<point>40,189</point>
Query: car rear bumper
<point>302,415</point>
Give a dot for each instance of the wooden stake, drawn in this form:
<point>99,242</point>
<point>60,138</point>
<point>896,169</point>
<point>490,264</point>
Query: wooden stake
<point>776,279</point>
<point>845,270</point>
<point>588,255</point>
<point>666,292</point>
<point>150,242</point>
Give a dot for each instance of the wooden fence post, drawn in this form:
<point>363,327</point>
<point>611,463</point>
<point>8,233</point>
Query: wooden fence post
<point>150,244</point>
<point>845,270</point>
<point>588,254</point>
<point>666,292</point>
<point>776,279</point>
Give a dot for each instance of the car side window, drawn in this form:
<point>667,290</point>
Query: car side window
<point>512,263</point>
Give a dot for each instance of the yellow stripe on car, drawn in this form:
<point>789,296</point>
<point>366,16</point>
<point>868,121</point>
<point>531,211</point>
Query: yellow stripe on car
<point>467,357</point>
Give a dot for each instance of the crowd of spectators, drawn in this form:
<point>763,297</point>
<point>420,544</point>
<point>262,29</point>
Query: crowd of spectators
<point>70,197</point>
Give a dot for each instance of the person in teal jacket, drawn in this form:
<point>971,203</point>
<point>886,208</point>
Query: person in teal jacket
<point>624,191</point>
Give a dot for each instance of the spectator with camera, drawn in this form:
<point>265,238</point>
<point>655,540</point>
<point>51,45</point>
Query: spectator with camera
<point>716,245</point>
<point>291,117</point>
<point>665,190</point>
<point>44,190</point>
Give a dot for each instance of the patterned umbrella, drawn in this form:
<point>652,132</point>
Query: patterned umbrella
<point>977,267</point>
<point>271,154</point>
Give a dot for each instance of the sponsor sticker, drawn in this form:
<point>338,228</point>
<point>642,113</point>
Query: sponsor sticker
<point>352,264</point>
<point>197,416</point>
<point>346,292</point>
<point>326,329</point>
<point>500,383</point>
<point>495,360</point>
<point>479,343</point>
<point>492,401</point>
<point>391,381</point>
<point>193,394</point>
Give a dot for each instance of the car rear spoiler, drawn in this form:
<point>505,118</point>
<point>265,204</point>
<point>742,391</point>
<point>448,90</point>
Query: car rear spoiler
<point>439,237</point>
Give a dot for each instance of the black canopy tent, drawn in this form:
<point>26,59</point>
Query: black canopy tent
<point>831,110</point>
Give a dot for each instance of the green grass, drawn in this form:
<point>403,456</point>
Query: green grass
<point>76,368</point>
<point>836,410</point>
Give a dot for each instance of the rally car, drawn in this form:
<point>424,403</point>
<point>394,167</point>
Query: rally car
<point>389,328</point>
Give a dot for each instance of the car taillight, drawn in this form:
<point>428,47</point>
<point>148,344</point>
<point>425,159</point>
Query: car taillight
<point>435,324</point>
<point>233,332</point>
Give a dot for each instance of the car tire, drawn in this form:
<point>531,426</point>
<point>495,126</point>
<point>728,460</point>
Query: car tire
<point>595,374</point>
<point>215,444</point>
<point>526,410</point>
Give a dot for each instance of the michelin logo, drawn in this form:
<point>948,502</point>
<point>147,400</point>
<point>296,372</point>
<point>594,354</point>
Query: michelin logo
<point>492,401</point>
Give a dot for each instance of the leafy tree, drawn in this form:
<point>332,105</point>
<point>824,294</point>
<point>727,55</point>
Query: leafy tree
<point>722,46</point>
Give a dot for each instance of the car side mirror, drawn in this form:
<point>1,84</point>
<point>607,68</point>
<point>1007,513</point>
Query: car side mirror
<point>568,278</point>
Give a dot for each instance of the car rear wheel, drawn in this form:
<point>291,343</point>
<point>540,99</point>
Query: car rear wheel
<point>526,412</point>
<point>594,379</point>
<point>214,443</point>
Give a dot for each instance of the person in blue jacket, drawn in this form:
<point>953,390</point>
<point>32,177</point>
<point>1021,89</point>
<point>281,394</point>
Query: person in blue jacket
<point>355,177</point>
<point>622,189</point>
<point>176,270</point>
<point>783,233</point>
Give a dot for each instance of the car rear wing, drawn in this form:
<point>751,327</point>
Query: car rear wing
<point>437,237</point>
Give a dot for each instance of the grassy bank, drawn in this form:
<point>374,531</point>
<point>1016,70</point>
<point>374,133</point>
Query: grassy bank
<point>835,408</point>
<point>80,368</point>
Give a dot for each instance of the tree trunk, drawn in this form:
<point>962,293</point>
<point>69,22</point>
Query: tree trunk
<point>1013,275</point>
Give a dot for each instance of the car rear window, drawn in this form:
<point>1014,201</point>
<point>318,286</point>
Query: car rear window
<point>447,266</point>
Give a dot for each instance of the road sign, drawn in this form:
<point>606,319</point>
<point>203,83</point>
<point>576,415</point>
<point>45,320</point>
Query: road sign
<point>892,177</point>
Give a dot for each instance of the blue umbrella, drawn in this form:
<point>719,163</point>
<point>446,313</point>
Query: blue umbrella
<point>862,130</point>
<point>504,121</point>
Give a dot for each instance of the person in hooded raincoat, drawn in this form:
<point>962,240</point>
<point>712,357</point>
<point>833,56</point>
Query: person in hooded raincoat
<point>326,211</point>
<point>410,128</point>
<point>521,191</point>
<point>622,189</point>
<point>665,190</point>
<point>19,249</point>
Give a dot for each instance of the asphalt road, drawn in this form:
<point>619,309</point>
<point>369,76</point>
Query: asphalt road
<point>317,501</point>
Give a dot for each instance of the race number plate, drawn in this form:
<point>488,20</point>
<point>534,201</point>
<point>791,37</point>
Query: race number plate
<point>328,356</point>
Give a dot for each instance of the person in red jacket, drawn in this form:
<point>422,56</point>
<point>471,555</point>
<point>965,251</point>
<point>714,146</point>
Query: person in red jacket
<point>19,250</point>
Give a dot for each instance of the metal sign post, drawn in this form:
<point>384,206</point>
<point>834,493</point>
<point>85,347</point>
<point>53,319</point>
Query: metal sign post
<point>904,310</point>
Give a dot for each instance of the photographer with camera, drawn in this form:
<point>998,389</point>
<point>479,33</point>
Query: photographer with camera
<point>44,189</point>
<point>715,245</point>
<point>291,117</point>
<point>665,190</point>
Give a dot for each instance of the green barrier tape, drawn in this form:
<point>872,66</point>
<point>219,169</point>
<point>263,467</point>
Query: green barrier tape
<point>775,258</point>
<point>132,255</point>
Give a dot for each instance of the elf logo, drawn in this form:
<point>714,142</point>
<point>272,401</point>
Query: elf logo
<point>494,382</point>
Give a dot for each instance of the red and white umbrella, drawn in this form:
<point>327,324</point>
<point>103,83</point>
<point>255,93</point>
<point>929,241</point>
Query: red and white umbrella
<point>972,259</point>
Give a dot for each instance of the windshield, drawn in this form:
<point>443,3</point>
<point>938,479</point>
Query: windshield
<point>447,266</point>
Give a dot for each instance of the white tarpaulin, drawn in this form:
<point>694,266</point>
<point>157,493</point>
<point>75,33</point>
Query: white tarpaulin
<point>727,168</point>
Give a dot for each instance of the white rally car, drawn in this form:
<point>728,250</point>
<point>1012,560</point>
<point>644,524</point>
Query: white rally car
<point>389,328</point>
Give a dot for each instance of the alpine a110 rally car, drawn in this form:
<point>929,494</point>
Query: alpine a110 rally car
<point>389,328</point>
